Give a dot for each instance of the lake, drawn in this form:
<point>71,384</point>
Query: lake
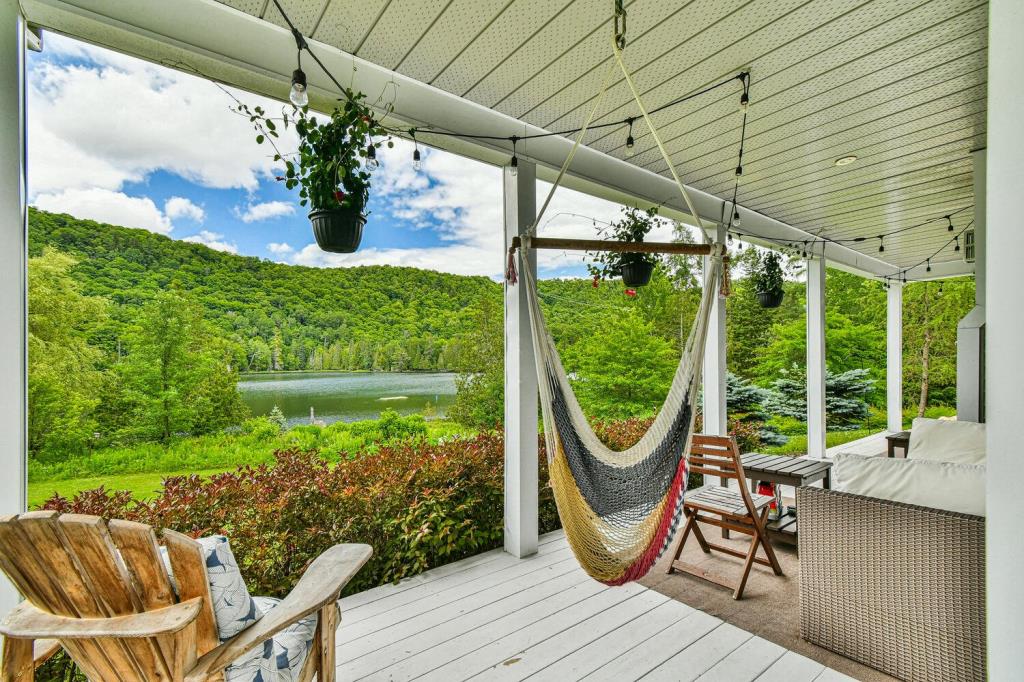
<point>346,396</point>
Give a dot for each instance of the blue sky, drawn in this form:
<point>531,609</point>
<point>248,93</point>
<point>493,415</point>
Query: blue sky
<point>123,141</point>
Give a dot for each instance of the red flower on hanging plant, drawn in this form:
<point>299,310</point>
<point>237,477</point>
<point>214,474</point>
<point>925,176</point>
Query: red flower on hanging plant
<point>339,196</point>
<point>630,292</point>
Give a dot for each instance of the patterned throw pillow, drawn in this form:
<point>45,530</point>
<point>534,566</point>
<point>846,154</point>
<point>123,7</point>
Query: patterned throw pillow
<point>233,607</point>
<point>279,659</point>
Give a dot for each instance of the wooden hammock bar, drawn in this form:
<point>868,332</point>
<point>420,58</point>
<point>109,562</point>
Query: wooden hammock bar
<point>560,244</point>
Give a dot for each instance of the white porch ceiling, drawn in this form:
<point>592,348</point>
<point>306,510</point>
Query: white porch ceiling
<point>901,84</point>
<point>898,83</point>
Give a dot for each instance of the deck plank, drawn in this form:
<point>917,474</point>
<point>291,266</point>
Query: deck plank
<point>694,660</point>
<point>456,642</point>
<point>433,580</point>
<point>502,650</point>
<point>538,657</point>
<point>393,644</point>
<point>745,663</point>
<point>396,612</point>
<point>586,660</point>
<point>792,667</point>
<point>648,655</point>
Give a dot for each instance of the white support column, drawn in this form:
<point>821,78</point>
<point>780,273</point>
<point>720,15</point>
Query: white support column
<point>816,357</point>
<point>715,409</point>
<point>12,272</point>
<point>1004,329</point>
<point>894,357</point>
<point>521,504</point>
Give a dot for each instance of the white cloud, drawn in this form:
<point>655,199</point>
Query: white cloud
<point>106,119</point>
<point>180,207</point>
<point>106,206</point>
<point>264,211</point>
<point>280,249</point>
<point>214,240</point>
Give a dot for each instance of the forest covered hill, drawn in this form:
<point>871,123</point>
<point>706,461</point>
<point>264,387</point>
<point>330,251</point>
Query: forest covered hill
<point>283,317</point>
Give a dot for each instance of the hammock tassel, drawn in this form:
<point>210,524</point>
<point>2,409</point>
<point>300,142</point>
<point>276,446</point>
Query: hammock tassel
<point>510,270</point>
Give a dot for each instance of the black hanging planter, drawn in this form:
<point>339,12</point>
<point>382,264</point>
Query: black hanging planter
<point>637,274</point>
<point>770,299</point>
<point>338,230</point>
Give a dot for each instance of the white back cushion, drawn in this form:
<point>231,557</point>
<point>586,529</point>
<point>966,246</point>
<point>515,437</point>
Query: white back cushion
<point>939,485</point>
<point>947,441</point>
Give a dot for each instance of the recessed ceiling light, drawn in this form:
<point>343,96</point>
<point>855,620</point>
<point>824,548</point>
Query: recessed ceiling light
<point>845,160</point>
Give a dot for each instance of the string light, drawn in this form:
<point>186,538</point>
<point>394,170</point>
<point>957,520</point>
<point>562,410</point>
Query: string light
<point>730,239</point>
<point>629,136</point>
<point>956,240</point>
<point>929,268</point>
<point>371,157</point>
<point>949,220</point>
<point>735,218</point>
<point>513,164</point>
<point>881,243</point>
<point>298,94</point>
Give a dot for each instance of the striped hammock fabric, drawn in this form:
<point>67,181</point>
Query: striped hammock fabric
<point>619,509</point>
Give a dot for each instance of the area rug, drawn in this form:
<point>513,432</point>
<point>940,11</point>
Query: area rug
<point>770,607</point>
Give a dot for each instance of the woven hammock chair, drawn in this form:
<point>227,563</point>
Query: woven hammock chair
<point>619,509</point>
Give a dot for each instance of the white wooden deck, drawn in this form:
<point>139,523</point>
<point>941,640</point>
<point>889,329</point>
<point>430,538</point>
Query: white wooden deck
<point>874,445</point>
<point>494,617</point>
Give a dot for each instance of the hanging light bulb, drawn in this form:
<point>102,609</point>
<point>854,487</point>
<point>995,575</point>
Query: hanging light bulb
<point>298,94</point>
<point>929,268</point>
<point>371,157</point>
<point>735,218</point>
<point>739,171</point>
<point>629,136</point>
<point>514,163</point>
<point>417,165</point>
<point>949,223</point>
<point>730,239</point>
<point>744,100</point>
<point>956,240</point>
<point>881,244</point>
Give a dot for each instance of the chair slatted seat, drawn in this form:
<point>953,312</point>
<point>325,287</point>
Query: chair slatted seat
<point>100,590</point>
<point>732,509</point>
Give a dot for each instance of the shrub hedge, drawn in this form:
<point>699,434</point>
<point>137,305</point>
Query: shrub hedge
<point>416,503</point>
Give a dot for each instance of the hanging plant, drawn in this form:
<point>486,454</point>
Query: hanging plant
<point>635,269</point>
<point>767,280</point>
<point>331,166</point>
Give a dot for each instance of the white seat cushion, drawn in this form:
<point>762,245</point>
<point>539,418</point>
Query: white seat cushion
<point>279,659</point>
<point>939,485</point>
<point>947,441</point>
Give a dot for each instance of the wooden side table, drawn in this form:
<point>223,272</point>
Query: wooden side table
<point>898,440</point>
<point>783,470</point>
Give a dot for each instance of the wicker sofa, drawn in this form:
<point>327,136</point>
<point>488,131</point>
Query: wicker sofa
<point>898,587</point>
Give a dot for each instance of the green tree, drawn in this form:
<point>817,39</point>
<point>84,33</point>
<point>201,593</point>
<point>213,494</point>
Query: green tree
<point>178,376</point>
<point>479,355</point>
<point>931,311</point>
<point>622,369</point>
<point>65,379</point>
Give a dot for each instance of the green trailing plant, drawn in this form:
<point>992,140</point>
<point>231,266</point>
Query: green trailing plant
<point>329,166</point>
<point>634,225</point>
<point>766,274</point>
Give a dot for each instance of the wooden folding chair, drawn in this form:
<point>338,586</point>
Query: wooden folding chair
<point>101,591</point>
<point>732,509</point>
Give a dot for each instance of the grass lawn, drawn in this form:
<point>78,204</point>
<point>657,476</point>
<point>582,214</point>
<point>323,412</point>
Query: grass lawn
<point>142,486</point>
<point>797,445</point>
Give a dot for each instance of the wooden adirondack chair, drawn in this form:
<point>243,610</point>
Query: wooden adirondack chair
<point>100,590</point>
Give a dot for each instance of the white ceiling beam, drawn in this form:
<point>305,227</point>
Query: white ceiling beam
<point>246,52</point>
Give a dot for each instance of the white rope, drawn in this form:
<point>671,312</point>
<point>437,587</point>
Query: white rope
<point>572,153</point>
<point>654,132</point>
